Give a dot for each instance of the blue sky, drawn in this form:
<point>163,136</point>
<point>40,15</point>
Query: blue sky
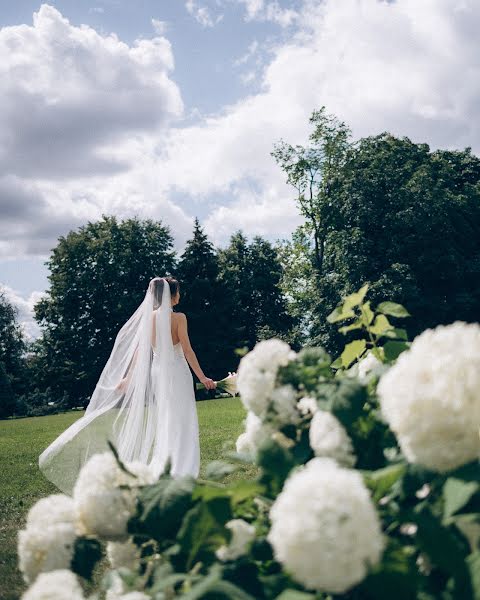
<point>170,108</point>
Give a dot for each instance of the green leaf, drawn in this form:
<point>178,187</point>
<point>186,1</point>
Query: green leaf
<point>352,352</point>
<point>381,325</point>
<point>203,531</point>
<point>382,480</point>
<point>356,298</point>
<point>205,585</point>
<point>393,309</point>
<point>337,363</point>
<point>444,549</point>
<point>230,590</point>
<point>393,348</point>
<point>457,494</point>
<point>367,313</point>
<point>86,553</point>
<point>295,595</point>
<point>352,327</point>
<point>340,314</point>
<point>395,577</point>
<point>473,563</point>
<point>162,507</point>
<point>276,463</point>
<point>397,334</point>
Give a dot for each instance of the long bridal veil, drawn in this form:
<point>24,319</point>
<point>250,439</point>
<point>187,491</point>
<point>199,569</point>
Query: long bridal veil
<point>128,404</point>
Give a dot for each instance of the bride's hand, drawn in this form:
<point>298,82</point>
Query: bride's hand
<point>209,383</point>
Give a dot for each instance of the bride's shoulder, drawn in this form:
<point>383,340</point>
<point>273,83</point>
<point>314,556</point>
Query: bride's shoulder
<point>179,316</point>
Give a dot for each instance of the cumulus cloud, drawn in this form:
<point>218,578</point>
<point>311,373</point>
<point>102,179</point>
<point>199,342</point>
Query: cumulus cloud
<point>24,308</point>
<point>66,92</point>
<point>409,69</point>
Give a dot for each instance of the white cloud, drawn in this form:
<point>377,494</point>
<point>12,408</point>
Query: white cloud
<point>412,69</point>
<point>78,113</point>
<point>202,14</point>
<point>24,307</point>
<point>66,91</point>
<point>259,10</point>
<point>160,27</point>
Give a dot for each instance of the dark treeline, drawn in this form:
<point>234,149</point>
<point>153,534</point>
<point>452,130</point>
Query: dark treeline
<point>382,210</point>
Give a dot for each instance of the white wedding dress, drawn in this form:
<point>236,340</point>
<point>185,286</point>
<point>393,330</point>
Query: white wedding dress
<point>144,402</point>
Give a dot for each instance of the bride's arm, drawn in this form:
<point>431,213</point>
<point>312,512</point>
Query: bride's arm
<point>190,354</point>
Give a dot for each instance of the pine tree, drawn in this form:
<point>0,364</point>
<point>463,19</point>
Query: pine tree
<point>202,300</point>
<point>251,273</point>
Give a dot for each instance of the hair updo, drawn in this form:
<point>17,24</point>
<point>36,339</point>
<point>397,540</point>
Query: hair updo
<point>158,289</point>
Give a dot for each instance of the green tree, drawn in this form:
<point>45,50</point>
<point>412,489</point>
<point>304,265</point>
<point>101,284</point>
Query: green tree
<point>7,397</point>
<point>251,274</point>
<point>202,300</point>
<point>98,277</point>
<point>392,213</point>
<point>12,345</point>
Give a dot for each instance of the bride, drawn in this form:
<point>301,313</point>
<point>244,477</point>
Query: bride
<point>144,401</point>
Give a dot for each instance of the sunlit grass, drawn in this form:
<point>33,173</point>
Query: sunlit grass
<point>22,484</point>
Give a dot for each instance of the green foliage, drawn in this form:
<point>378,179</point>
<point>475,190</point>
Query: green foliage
<point>381,337</point>
<point>98,277</point>
<point>12,355</point>
<point>7,399</point>
<point>387,211</point>
<point>203,301</point>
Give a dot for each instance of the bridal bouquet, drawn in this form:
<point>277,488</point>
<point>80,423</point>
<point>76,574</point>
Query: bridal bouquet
<point>359,480</point>
<point>228,385</point>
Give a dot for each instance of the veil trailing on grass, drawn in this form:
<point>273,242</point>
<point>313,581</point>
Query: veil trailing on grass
<point>127,404</point>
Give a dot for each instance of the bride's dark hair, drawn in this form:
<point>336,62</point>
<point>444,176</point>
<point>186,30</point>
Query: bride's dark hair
<point>158,289</point>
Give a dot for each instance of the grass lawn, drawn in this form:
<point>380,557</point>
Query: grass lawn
<point>22,484</point>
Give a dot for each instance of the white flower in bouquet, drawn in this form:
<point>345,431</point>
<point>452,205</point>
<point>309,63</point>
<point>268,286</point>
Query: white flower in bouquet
<point>307,405</point>
<point>431,397</point>
<point>255,434</point>
<point>48,542</point>
<point>242,535</point>
<point>229,384</point>
<point>325,530</point>
<point>329,439</point>
<point>123,554</point>
<point>257,373</point>
<point>102,508</point>
<point>56,585</point>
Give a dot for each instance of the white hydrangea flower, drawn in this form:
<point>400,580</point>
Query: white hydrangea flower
<point>45,549</point>
<point>257,373</point>
<point>325,530</point>
<point>135,596</point>
<point>284,404</point>
<point>52,510</point>
<point>123,554</point>
<point>328,438</point>
<point>56,585</point>
<point>307,405</point>
<point>366,366</point>
<point>242,535</point>
<point>101,508</point>
<point>255,434</point>
<point>48,542</point>
<point>431,397</point>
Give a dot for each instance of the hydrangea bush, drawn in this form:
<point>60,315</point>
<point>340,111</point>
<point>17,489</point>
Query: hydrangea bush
<point>367,484</point>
